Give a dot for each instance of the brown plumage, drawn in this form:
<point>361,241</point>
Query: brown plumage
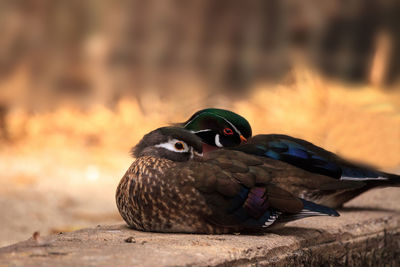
<point>308,171</point>
<point>172,188</point>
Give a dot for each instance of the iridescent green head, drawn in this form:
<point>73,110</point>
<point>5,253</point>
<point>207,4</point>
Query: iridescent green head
<point>219,127</point>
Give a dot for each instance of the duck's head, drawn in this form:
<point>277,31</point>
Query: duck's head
<point>172,143</point>
<point>219,127</point>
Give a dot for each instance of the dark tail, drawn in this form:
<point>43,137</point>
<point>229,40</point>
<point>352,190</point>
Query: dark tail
<point>392,179</point>
<point>313,209</point>
<point>370,176</point>
<point>310,209</point>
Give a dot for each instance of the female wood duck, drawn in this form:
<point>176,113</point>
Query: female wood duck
<point>330,180</point>
<point>171,187</point>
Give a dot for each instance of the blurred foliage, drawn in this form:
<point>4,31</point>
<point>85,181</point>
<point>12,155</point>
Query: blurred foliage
<point>98,51</point>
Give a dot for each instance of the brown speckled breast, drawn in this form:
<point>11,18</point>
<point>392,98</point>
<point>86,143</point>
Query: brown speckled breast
<point>158,195</point>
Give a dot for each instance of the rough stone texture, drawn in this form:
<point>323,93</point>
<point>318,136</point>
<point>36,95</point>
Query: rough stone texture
<point>367,233</point>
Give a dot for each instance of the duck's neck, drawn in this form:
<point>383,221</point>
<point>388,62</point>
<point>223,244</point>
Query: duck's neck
<point>208,148</point>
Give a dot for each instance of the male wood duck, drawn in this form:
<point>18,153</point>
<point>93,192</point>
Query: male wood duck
<point>218,128</point>
<point>329,180</point>
<point>172,187</point>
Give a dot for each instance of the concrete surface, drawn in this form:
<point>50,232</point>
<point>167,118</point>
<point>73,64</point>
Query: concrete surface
<point>367,233</point>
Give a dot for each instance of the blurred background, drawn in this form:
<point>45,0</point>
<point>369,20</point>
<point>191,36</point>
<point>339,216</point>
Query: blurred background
<point>82,81</point>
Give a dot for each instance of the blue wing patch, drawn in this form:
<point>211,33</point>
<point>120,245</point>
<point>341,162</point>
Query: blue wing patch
<point>309,157</point>
<point>301,157</point>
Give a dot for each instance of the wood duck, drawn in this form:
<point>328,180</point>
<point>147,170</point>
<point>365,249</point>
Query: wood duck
<point>172,187</point>
<point>216,131</point>
<point>329,180</point>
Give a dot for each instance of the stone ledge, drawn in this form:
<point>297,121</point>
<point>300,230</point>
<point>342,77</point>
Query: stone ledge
<point>367,233</point>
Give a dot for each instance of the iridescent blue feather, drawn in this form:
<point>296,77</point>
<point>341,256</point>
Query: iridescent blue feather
<point>309,157</point>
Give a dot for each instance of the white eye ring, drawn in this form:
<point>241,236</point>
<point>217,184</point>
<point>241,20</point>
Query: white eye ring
<point>171,146</point>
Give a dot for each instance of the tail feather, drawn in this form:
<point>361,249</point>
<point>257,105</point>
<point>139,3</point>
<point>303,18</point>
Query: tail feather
<point>393,179</point>
<point>310,209</point>
<point>375,177</point>
<point>313,209</point>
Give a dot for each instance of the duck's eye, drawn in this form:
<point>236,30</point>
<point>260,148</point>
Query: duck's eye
<point>179,146</point>
<point>228,131</point>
